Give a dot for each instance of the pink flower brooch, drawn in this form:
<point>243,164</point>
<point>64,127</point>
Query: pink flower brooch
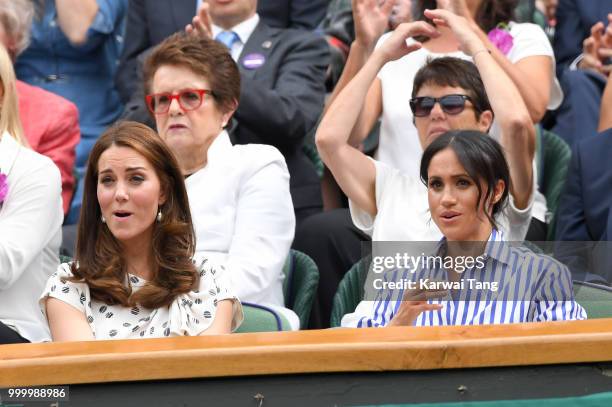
<point>500,37</point>
<point>3,187</point>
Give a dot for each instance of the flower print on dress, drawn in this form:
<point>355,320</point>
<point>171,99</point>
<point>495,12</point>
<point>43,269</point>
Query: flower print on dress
<point>500,37</point>
<point>4,187</point>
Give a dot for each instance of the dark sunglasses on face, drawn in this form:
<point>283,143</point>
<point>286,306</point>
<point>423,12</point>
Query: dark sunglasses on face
<point>450,104</point>
<point>188,99</point>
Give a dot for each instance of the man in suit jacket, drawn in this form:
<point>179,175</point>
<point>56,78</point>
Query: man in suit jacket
<point>586,204</point>
<point>149,22</point>
<point>282,73</point>
<point>581,79</point>
<point>574,21</point>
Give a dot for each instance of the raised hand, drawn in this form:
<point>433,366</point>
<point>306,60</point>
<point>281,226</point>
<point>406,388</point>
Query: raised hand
<point>597,48</point>
<point>396,47</point>
<point>605,51</point>
<point>371,20</point>
<point>200,24</point>
<point>468,39</point>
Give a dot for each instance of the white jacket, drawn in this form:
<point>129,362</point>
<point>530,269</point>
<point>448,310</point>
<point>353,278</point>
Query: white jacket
<point>243,216</point>
<point>30,235</point>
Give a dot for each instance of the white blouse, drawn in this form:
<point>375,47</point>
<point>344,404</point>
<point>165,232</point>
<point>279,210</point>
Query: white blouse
<point>188,315</point>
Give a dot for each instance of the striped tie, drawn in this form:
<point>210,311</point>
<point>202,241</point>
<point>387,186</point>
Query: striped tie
<point>227,38</point>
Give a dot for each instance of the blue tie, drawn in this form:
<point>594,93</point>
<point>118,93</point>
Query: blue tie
<point>227,38</point>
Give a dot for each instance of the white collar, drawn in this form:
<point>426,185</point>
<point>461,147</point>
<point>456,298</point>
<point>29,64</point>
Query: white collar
<point>219,147</point>
<point>217,153</point>
<point>243,29</point>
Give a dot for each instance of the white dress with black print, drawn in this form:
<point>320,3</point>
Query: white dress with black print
<point>189,314</point>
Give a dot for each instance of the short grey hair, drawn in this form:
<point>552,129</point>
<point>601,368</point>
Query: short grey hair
<point>16,19</point>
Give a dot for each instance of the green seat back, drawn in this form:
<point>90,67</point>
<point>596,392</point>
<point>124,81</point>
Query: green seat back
<point>350,291</point>
<point>261,319</point>
<point>313,155</point>
<point>300,285</point>
<point>556,155</point>
<point>594,298</point>
<point>65,259</point>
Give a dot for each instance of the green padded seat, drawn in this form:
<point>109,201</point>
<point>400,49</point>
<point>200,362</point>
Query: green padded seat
<point>261,319</point>
<point>554,157</point>
<point>313,155</point>
<point>350,291</point>
<point>596,299</point>
<point>65,259</point>
<point>300,285</point>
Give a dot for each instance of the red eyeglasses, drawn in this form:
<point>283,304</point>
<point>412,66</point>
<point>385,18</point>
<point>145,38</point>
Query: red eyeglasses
<point>188,99</point>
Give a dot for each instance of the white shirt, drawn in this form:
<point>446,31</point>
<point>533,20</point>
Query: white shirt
<point>243,217</point>
<point>30,235</point>
<point>399,144</point>
<point>189,314</point>
<point>403,211</point>
<point>243,30</point>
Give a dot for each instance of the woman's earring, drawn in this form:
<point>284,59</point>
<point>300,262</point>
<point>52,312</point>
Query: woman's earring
<point>103,219</point>
<point>159,215</point>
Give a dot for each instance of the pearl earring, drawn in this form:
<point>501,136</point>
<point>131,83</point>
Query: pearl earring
<point>159,215</point>
<point>103,219</point>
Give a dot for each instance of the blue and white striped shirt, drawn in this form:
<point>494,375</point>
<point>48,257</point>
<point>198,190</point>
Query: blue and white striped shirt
<point>530,288</point>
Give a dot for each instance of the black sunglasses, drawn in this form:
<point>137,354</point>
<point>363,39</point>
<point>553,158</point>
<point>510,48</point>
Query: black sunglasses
<point>450,104</point>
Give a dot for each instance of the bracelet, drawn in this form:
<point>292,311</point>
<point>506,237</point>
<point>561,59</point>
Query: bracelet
<point>479,51</point>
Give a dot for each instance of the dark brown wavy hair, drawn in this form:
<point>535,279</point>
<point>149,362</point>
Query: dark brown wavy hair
<point>100,261</point>
<point>489,14</point>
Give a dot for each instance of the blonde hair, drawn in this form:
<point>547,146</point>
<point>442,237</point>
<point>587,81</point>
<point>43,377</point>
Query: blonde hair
<point>16,18</point>
<point>9,108</point>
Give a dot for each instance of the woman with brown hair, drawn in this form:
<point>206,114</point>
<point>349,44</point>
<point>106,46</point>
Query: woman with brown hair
<point>133,274</point>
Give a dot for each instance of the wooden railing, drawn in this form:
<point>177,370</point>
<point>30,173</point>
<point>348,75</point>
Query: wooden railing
<point>332,350</point>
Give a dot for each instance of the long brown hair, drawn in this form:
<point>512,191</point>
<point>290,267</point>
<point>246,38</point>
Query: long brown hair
<point>99,260</point>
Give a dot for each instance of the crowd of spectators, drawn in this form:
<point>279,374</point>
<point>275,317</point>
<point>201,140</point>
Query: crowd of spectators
<point>173,152</point>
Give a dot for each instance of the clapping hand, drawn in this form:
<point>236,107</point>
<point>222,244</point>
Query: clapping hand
<point>200,24</point>
<point>396,46</point>
<point>371,20</point>
<point>468,39</point>
<point>597,49</point>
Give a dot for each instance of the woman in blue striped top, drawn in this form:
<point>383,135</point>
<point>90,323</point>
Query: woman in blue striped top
<point>474,277</point>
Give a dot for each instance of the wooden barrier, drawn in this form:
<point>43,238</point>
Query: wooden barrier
<point>322,351</point>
